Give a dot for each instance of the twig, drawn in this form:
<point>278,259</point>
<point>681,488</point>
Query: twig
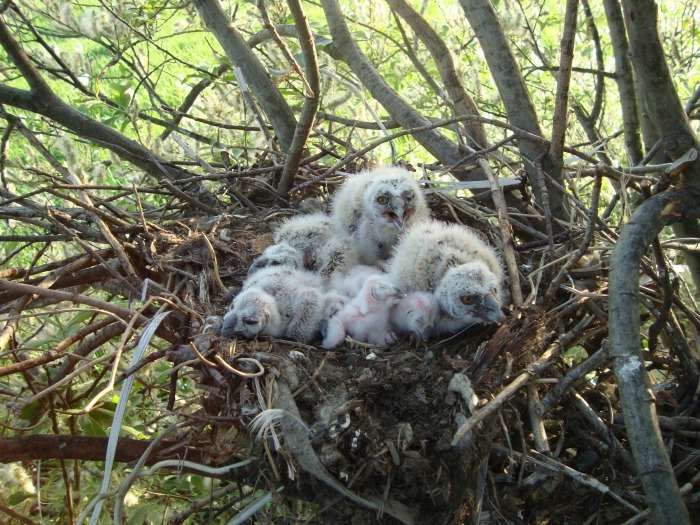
<point>552,397</point>
<point>311,100</point>
<point>525,376</point>
<point>550,464</point>
<point>506,233</point>
<point>585,243</point>
<point>539,433</point>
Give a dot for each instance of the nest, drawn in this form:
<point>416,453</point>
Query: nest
<point>511,424</point>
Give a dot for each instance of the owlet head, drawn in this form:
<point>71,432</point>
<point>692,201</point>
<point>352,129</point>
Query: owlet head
<point>471,293</point>
<point>278,255</point>
<point>394,200</point>
<point>251,312</point>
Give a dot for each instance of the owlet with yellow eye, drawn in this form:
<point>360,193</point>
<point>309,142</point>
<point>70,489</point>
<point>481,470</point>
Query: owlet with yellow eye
<point>372,209</point>
<point>454,263</point>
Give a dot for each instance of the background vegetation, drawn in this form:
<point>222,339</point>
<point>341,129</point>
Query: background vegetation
<point>148,146</point>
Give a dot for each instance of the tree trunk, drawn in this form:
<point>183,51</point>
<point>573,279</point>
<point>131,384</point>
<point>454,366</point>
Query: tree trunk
<point>267,94</point>
<point>516,99</point>
<point>625,81</point>
<point>437,144</point>
<point>662,103</point>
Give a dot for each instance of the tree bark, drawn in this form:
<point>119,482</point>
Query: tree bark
<point>311,99</point>
<point>655,470</point>
<point>561,102</point>
<point>437,144</point>
<point>624,77</point>
<point>660,95</point>
<point>88,448</point>
<point>463,103</point>
<point>662,103</point>
<point>516,98</point>
<point>268,95</point>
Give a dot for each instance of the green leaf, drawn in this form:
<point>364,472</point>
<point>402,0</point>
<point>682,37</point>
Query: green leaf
<point>18,497</point>
<point>92,428</point>
<point>31,411</point>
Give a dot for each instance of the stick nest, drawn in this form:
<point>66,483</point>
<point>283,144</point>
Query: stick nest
<point>510,424</point>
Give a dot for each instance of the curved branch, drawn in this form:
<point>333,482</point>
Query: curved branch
<point>662,103</point>
<point>637,400</point>
<point>437,144</point>
<point>464,105</point>
<point>42,100</point>
<point>273,103</point>
<point>311,100</point>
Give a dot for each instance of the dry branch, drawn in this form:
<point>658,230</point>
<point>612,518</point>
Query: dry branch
<point>653,463</point>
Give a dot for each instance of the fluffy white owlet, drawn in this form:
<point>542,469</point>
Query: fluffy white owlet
<point>297,242</point>
<point>366,317</point>
<point>350,283</point>
<point>300,300</point>
<point>374,207</point>
<point>253,312</point>
<point>282,254</point>
<point>456,264</point>
<point>468,294</point>
<point>416,315</point>
<point>307,233</point>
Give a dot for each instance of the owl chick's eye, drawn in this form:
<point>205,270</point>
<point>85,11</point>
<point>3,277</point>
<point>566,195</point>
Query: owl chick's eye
<point>467,299</point>
<point>382,199</point>
<point>250,322</point>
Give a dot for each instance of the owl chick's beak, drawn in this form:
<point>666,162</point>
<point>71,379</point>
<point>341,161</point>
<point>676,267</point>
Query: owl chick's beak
<point>229,327</point>
<point>421,336</point>
<point>492,310</point>
<point>400,214</point>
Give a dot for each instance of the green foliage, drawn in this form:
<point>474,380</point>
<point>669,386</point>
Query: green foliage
<point>131,66</point>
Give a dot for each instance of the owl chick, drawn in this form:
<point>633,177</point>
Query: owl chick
<point>282,254</point>
<point>366,317</point>
<point>454,262</point>
<point>416,315</point>
<point>337,256</point>
<point>307,233</point>
<point>253,312</point>
<point>468,294</point>
<point>350,283</point>
<point>374,207</point>
<point>299,297</point>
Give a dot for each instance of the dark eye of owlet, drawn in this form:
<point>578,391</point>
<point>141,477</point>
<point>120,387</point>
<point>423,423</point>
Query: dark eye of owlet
<point>250,322</point>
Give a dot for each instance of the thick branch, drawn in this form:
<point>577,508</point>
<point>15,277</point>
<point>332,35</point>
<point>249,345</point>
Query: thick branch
<point>41,100</point>
<point>48,446</point>
<point>311,100</point>
<point>650,455</point>
<point>437,144</point>
<point>463,103</point>
<point>654,78</point>
<point>514,94</point>
<point>238,52</point>
<point>561,102</point>
<point>661,102</point>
